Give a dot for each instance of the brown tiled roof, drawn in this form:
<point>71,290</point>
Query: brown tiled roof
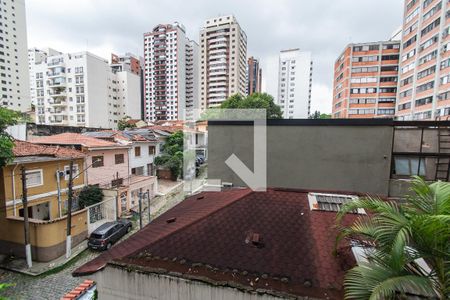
<point>210,235</point>
<point>22,148</point>
<point>69,138</point>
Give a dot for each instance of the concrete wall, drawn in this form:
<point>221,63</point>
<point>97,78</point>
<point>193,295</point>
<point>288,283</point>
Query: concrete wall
<point>345,158</point>
<point>117,283</point>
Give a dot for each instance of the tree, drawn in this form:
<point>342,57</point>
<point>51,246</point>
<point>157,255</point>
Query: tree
<point>90,195</point>
<point>318,115</point>
<point>7,118</point>
<point>400,236</point>
<point>172,155</point>
<point>255,101</point>
<point>123,123</point>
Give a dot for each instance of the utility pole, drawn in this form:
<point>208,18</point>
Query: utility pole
<point>25,218</point>
<point>69,212</point>
<point>148,204</point>
<point>58,184</point>
<point>140,210</point>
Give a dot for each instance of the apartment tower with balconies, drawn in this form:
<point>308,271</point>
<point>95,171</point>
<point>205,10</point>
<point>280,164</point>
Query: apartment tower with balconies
<point>223,61</point>
<point>14,76</point>
<point>424,85</point>
<point>295,83</point>
<point>81,89</point>
<point>170,78</point>
<point>365,80</point>
<point>254,76</point>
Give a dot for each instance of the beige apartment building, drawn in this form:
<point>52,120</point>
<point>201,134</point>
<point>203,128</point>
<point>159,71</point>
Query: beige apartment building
<point>223,61</point>
<point>424,85</point>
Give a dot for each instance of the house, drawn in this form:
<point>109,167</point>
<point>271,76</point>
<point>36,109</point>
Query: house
<point>144,147</point>
<point>136,123</point>
<point>108,166</point>
<point>47,175</point>
<point>107,160</point>
<point>234,244</point>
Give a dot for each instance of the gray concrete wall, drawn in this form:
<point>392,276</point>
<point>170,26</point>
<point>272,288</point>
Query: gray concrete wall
<point>345,158</point>
<point>115,283</point>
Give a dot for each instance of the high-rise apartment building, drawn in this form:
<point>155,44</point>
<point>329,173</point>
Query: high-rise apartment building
<point>81,89</point>
<point>294,83</point>
<point>14,76</point>
<point>365,80</point>
<point>128,62</point>
<point>424,85</point>
<point>254,76</point>
<point>223,61</point>
<point>169,72</point>
<point>35,58</point>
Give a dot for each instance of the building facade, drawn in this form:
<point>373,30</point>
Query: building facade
<point>424,88</point>
<point>169,72</point>
<point>47,177</point>
<point>254,76</point>
<point>294,83</point>
<point>81,89</point>
<point>128,62</point>
<point>223,61</point>
<point>365,80</point>
<point>14,76</point>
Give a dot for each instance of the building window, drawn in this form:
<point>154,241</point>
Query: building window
<point>34,178</point>
<point>137,151</point>
<point>75,171</point>
<point>97,161</point>
<point>119,159</point>
<point>409,166</point>
<point>151,150</point>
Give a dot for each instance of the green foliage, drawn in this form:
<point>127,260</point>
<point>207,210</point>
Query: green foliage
<point>172,156</point>
<point>4,286</point>
<point>402,233</point>
<point>7,118</point>
<point>122,124</point>
<point>318,115</point>
<point>254,101</point>
<point>90,195</point>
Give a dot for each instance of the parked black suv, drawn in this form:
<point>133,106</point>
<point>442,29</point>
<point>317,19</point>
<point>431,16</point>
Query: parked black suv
<point>107,234</point>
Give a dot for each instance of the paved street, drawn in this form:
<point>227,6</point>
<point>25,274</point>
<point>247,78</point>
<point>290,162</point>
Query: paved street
<point>53,286</point>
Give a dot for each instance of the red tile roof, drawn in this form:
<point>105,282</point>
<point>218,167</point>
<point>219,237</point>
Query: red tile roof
<point>79,291</point>
<point>264,240</point>
<point>22,148</point>
<point>69,138</point>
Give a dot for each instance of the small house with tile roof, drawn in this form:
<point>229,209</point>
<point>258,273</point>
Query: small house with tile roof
<point>47,174</point>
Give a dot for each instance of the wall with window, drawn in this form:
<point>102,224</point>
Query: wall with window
<point>107,165</point>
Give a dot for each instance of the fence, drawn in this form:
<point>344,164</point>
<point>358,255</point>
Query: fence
<point>101,213</point>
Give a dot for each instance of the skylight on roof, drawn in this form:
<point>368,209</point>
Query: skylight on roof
<point>330,202</point>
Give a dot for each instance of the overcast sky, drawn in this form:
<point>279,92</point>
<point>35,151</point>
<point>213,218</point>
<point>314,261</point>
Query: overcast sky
<point>323,27</point>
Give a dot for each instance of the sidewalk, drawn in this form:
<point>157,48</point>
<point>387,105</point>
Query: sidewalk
<point>38,268</point>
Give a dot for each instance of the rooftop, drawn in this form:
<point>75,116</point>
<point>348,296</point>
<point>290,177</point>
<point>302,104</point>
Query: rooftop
<point>255,240</point>
<point>24,149</point>
<point>75,139</point>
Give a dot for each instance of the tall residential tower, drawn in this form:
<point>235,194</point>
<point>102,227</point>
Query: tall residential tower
<point>424,89</point>
<point>365,80</point>
<point>254,76</point>
<point>294,83</point>
<point>14,76</point>
<point>170,78</point>
<point>223,61</point>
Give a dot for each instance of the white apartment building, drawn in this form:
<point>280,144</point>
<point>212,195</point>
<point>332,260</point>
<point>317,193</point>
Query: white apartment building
<point>424,85</point>
<point>223,61</point>
<point>81,89</point>
<point>192,79</point>
<point>14,76</point>
<point>294,83</point>
<point>170,79</point>
<point>36,57</point>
